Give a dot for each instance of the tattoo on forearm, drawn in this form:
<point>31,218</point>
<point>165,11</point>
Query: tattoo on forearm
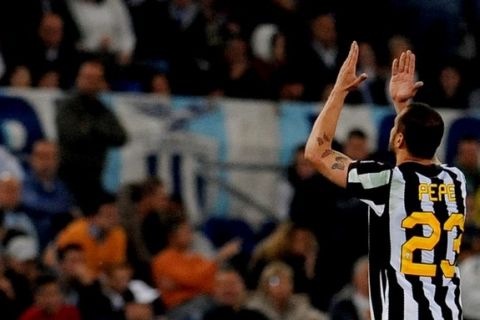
<point>325,137</point>
<point>327,152</point>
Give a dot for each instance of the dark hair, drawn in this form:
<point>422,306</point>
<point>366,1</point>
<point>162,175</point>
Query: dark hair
<point>422,128</point>
<point>173,220</point>
<point>468,138</point>
<point>62,251</point>
<point>91,207</point>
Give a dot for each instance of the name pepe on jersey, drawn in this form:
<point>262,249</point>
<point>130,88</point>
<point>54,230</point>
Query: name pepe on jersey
<point>436,191</point>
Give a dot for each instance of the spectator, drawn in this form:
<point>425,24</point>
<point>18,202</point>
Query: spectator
<point>275,299</point>
<point>295,246</point>
<point>7,295</point>
<point>374,91</point>
<point>86,130</point>
<point>53,58</point>
<point>159,84</point>
<point>269,47</point>
<point>298,170</point>
<point>10,164</point>
<point>49,304</point>
<point>183,277</point>
<point>229,296</point>
<point>153,205</point>
<point>20,77</point>
<point>237,77</point>
<point>114,294</point>
<point>467,159</point>
<point>20,270</point>
<point>99,234</point>
<point>172,36</point>
<point>118,300</point>
<point>13,217</point>
<point>45,197</point>
<point>105,28</point>
<point>356,146</point>
<point>79,285</point>
<point>352,303</point>
<point>320,59</point>
<point>449,89</point>
<point>470,269</point>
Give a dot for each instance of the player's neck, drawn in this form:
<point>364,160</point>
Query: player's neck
<point>402,157</point>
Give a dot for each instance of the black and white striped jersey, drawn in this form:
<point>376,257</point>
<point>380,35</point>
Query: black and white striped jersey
<point>416,221</point>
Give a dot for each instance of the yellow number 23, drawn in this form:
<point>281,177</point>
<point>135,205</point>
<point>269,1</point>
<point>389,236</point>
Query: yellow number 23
<point>428,243</point>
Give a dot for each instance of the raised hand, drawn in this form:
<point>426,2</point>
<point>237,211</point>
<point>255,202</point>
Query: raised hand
<point>347,79</point>
<point>402,83</point>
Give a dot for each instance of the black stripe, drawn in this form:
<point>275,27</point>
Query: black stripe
<point>364,167</point>
<point>461,209</point>
<point>440,253</point>
<point>379,254</point>
<point>375,293</point>
<point>396,296</point>
<point>412,204</point>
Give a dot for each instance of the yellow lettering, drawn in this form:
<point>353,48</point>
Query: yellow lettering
<point>422,190</point>
<point>436,192</point>
<point>451,192</point>
<point>431,191</point>
<point>442,191</point>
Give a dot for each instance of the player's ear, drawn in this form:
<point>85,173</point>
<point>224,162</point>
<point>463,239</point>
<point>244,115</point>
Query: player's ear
<point>399,140</point>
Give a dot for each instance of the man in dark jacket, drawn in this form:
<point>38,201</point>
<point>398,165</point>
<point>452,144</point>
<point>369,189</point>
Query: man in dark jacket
<point>86,130</point>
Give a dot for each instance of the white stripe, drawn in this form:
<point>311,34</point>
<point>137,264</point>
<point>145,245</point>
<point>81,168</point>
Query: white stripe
<point>164,170</point>
<point>378,208</point>
<point>188,175</point>
<point>410,306</point>
<point>397,214</point>
<point>369,180</point>
<point>429,290</point>
<point>385,297</point>
<point>450,298</point>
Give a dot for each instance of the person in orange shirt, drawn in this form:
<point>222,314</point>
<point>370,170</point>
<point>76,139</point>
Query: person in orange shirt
<point>181,275</point>
<point>99,234</point>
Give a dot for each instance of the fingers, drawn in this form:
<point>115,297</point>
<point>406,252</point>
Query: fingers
<point>411,65</point>
<point>408,58</point>
<point>359,80</point>
<point>401,63</point>
<point>351,59</point>
<point>353,54</point>
<point>395,67</point>
<point>405,64</point>
<point>418,84</point>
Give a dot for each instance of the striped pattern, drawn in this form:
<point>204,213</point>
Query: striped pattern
<point>412,238</point>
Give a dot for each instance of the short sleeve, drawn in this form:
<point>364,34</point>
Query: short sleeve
<point>369,181</point>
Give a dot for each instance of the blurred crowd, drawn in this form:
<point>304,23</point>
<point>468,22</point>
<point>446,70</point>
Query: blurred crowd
<point>71,250</point>
<point>263,49</point>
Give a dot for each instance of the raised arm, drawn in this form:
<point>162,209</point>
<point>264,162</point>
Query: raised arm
<point>333,164</point>
<point>403,86</point>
